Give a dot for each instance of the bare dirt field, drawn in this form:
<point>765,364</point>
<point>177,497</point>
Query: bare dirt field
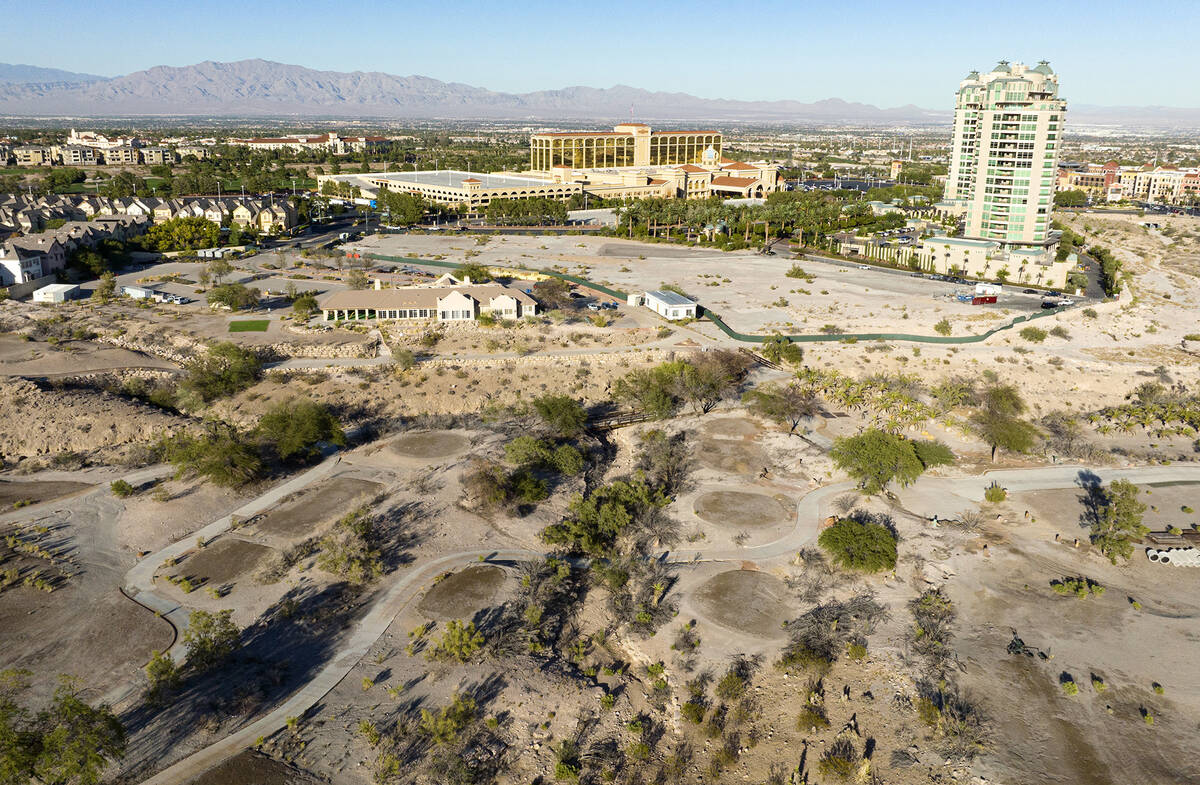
<point>14,492</point>
<point>297,518</point>
<point>253,768</point>
<point>429,444</point>
<point>746,601</point>
<point>224,562</point>
<point>462,594</point>
<point>739,509</point>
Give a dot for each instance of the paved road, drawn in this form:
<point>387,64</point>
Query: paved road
<point>935,491</point>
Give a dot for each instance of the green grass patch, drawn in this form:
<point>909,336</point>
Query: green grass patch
<point>249,326</point>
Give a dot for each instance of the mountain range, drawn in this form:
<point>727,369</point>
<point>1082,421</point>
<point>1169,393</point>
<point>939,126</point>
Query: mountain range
<point>33,74</point>
<point>250,88</point>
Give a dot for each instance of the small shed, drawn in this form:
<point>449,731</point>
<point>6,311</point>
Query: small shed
<point>139,292</point>
<point>56,293</point>
<point>670,305</point>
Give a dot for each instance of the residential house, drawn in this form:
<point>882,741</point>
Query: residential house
<point>123,155</point>
<point>32,155</point>
<point>75,155</point>
<point>18,264</point>
<point>157,156</point>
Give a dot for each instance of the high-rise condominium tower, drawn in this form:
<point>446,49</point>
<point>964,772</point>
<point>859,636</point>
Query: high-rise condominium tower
<point>1007,134</point>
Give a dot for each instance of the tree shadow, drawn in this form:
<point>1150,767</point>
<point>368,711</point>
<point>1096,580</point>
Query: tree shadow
<point>1094,498</point>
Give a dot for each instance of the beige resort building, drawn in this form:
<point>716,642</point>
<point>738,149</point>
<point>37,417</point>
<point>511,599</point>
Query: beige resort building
<point>445,300</point>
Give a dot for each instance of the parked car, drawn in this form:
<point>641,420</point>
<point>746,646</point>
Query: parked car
<point>916,275</point>
<point>1029,291</point>
<point>612,306</point>
<point>864,267</point>
<point>593,306</point>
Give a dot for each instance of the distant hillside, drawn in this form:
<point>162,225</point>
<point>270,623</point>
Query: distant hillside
<point>260,87</point>
<point>250,88</point>
<point>33,74</point>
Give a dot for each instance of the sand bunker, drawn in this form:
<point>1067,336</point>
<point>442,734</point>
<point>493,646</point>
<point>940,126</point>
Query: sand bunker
<point>254,768</point>
<point>732,457</point>
<point>430,444</point>
<point>731,428</point>
<point>740,510</point>
<point>329,499</point>
<point>747,601</point>
<point>224,561</point>
<point>462,594</point>
<point>35,491</point>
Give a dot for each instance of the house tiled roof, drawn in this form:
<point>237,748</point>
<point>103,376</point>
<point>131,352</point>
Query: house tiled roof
<point>734,182</point>
<point>738,166</point>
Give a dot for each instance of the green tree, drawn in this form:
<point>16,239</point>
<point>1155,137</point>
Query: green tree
<point>998,421</point>
<point>210,638</point>
<point>224,369</point>
<point>876,458</point>
<point>562,413</point>
<point>1073,198</point>
<point>779,349</point>
<point>357,279</point>
<point>789,404</point>
<point>77,740</point>
<point>183,234</point>
<point>106,290</point>
<point>162,674</point>
<point>478,273</point>
<point>444,727</point>
<point>305,306</point>
<point>349,550</point>
<point>220,455</point>
<point>235,296</point>
<point>594,522</point>
<point>860,545</point>
<point>1118,521</point>
<point>294,428</point>
<point>218,269</point>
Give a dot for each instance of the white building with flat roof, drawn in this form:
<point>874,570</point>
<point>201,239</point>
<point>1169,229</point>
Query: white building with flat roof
<point>473,190</point>
<point>56,293</point>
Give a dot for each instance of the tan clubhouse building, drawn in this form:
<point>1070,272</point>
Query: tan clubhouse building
<point>445,300</point>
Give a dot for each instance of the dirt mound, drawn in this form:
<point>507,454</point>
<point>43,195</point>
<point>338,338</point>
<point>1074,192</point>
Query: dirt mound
<point>333,498</point>
<point>222,562</point>
<point>254,768</point>
<point>741,510</point>
<point>430,444</point>
<point>731,428</point>
<point>462,594</point>
<point>733,457</point>
<point>43,422</point>
<point>750,602</point>
<point>36,491</point>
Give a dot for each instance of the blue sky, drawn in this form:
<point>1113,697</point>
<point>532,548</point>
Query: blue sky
<point>885,53</point>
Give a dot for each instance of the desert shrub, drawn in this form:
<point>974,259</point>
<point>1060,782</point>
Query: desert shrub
<point>210,638</point>
<point>445,726</point>
<point>995,493</point>
<point>294,428</point>
<point>561,413</point>
<point>121,489</point>
<point>943,327</point>
<point>860,545</point>
<point>224,369</point>
<point>693,711</point>
<point>349,550</point>
<point>1058,331</point>
<point>1033,334</point>
<point>221,455</point>
<point>840,761</point>
<point>460,642</point>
